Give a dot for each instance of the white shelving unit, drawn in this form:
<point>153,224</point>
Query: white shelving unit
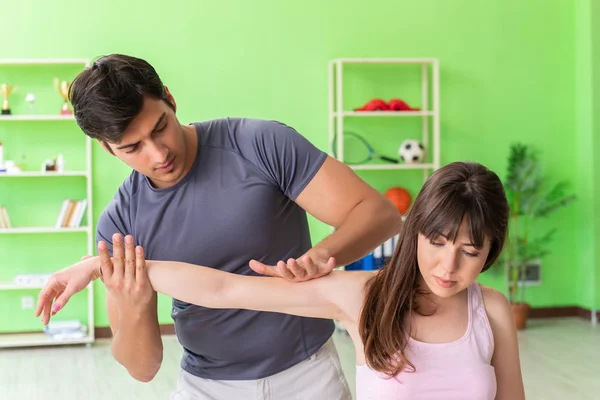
<point>25,339</point>
<point>429,115</point>
<point>429,112</point>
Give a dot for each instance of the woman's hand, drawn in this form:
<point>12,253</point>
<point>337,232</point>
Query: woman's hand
<point>64,284</point>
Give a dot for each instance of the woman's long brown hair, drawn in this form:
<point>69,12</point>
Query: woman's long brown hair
<point>453,192</point>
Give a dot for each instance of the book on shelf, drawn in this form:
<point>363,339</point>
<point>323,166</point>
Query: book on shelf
<point>379,257</point>
<point>71,213</point>
<point>4,219</point>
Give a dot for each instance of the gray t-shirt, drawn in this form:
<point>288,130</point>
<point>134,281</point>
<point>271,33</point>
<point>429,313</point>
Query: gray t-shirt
<point>235,204</point>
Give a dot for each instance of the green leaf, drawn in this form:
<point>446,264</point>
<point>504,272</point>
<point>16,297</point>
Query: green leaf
<point>531,196</point>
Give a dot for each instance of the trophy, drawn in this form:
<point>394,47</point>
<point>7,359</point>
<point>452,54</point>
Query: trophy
<point>6,90</point>
<point>63,90</point>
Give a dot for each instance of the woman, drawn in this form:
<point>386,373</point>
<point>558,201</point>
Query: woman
<point>422,327</point>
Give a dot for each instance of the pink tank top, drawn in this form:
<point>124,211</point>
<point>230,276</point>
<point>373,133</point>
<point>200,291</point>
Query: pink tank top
<point>456,370</point>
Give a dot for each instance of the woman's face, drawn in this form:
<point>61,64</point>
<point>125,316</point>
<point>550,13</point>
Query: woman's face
<point>448,268</point>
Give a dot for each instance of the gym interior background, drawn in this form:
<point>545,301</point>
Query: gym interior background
<point>509,71</point>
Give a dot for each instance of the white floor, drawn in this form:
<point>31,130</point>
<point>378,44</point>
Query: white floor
<point>560,360</point>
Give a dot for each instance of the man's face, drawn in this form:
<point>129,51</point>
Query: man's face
<point>154,144</point>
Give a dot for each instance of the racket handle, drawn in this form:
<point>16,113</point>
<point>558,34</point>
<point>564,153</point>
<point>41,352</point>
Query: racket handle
<point>388,159</point>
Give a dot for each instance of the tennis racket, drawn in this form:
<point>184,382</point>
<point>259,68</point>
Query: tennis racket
<point>358,151</point>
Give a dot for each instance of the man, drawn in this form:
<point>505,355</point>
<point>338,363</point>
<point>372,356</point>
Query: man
<point>232,194</point>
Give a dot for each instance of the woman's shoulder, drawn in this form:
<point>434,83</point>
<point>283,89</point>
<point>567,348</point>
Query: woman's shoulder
<point>493,298</point>
<point>497,307</point>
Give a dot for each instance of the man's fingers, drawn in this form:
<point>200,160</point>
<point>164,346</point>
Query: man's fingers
<point>284,272</point>
<point>106,265</point>
<point>326,268</point>
<point>310,266</point>
<point>331,264</point>
<point>85,257</point>
<point>140,263</point>
<point>280,270</point>
<point>262,269</point>
<point>130,265</point>
<point>118,258</point>
<point>303,269</point>
<point>297,270</point>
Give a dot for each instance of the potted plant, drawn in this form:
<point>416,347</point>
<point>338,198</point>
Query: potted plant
<point>531,196</point>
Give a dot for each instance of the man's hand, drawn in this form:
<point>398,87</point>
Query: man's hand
<point>125,275</point>
<point>317,262</point>
<point>132,308</point>
<point>64,284</point>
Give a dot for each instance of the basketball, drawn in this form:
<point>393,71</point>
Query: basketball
<point>400,198</point>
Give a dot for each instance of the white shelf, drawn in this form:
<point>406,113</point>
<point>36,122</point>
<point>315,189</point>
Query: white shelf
<point>37,339</point>
<point>392,166</point>
<point>15,286</point>
<point>40,174</point>
<point>41,339</point>
<point>42,230</point>
<point>385,60</point>
<point>40,117</point>
<point>43,61</point>
<point>429,104</point>
<point>386,114</point>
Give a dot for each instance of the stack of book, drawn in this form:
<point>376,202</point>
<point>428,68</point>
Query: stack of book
<point>71,213</point>
<point>379,257</point>
<point>4,219</point>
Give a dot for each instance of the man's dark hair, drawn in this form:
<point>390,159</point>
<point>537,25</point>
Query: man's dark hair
<point>109,94</point>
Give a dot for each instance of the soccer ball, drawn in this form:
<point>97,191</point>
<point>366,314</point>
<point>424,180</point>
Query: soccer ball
<point>411,151</point>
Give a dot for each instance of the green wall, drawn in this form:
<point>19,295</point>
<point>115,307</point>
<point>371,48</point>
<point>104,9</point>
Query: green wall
<point>509,71</point>
<point>595,109</point>
<point>585,179</point>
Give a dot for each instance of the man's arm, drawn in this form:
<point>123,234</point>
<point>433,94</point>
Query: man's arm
<point>136,343</point>
<point>363,217</point>
<point>323,186</point>
<point>133,354</point>
<point>132,314</point>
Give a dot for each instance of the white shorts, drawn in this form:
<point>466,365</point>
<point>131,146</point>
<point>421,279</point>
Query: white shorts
<point>318,378</point>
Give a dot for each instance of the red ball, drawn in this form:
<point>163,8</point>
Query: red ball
<point>400,198</point>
